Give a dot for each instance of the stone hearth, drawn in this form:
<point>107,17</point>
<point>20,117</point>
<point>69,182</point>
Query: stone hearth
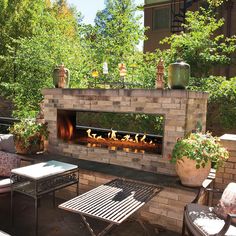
<point>182,110</point>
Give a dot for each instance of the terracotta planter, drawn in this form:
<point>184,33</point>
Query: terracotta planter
<point>33,147</point>
<point>188,173</point>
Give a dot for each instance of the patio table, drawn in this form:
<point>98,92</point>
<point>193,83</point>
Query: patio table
<point>112,202</point>
<point>42,178</point>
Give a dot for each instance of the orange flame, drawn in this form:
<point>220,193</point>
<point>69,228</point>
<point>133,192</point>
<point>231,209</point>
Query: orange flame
<point>65,129</point>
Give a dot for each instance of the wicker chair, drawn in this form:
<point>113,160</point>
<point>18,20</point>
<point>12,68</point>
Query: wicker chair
<point>8,161</point>
<point>200,220</point>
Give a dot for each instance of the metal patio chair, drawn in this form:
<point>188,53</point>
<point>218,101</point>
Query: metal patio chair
<point>200,220</point>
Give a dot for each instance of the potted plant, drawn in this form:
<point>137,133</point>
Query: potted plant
<point>195,154</point>
<point>29,136</point>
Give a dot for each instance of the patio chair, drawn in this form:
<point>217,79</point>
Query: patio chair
<point>200,220</point>
<point>8,161</point>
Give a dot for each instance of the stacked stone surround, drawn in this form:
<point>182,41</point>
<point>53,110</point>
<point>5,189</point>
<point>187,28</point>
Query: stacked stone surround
<point>181,109</point>
<point>165,209</point>
<point>227,173</point>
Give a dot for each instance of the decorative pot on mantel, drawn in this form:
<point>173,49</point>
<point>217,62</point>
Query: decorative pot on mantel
<point>61,76</point>
<point>188,173</point>
<point>178,74</point>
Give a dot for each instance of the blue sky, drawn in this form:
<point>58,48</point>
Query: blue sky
<point>88,8</point>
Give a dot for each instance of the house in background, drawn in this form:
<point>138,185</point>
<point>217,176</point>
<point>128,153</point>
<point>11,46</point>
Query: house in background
<point>165,17</point>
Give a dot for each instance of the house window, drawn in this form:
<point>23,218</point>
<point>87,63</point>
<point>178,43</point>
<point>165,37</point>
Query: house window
<point>161,18</point>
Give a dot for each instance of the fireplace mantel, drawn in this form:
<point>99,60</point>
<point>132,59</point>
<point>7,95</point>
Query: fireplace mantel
<point>182,110</point>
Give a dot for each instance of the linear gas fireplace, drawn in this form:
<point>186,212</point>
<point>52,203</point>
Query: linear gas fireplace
<point>135,128</point>
<point>129,132</point>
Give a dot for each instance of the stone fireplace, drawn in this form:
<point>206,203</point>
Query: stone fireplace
<point>75,116</point>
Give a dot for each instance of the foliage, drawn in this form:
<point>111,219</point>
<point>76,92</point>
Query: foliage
<point>52,33</point>
<point>201,46</point>
<point>142,67</point>
<point>44,50</point>
<point>201,148</point>
<point>139,123</point>
<point>28,131</point>
<point>222,100</point>
<point>18,18</point>
<point>215,3</point>
<point>52,42</point>
<point>115,36</point>
<point>35,36</point>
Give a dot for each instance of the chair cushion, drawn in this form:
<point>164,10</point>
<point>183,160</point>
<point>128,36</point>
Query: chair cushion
<point>7,143</point>
<point>5,185</point>
<point>5,182</point>
<point>227,203</point>
<point>205,221</point>
<point>8,161</point>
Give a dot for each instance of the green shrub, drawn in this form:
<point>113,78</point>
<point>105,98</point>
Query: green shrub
<point>222,100</point>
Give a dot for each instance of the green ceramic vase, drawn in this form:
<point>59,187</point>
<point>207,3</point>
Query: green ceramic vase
<point>178,75</point>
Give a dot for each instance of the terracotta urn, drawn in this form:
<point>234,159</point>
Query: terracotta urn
<point>188,173</point>
<point>61,77</point>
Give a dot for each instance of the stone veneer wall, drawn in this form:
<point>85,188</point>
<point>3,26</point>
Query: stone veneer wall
<point>182,110</point>
<point>227,173</point>
<point>165,209</point>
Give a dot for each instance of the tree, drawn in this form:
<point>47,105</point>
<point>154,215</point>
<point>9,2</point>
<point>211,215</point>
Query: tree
<point>51,42</point>
<point>18,18</point>
<point>201,46</point>
<point>116,34</point>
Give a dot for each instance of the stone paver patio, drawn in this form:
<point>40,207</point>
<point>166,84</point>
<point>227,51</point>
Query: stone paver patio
<point>56,222</point>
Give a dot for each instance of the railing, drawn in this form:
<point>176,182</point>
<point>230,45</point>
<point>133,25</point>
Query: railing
<point>5,123</point>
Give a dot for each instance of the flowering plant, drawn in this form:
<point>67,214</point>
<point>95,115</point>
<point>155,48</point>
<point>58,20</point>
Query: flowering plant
<point>202,148</point>
<point>28,131</point>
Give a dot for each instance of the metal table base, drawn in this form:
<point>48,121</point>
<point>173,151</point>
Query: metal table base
<point>36,188</point>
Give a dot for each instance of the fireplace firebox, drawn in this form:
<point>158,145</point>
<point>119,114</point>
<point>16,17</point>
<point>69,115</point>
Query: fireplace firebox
<point>129,132</point>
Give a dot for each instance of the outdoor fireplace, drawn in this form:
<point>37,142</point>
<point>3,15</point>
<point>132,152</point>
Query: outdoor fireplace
<point>129,132</point>
<point>76,124</point>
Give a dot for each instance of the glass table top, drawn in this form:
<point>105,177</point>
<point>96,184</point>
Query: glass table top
<point>44,169</point>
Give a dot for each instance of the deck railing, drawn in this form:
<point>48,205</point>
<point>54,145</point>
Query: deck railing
<point>5,123</point>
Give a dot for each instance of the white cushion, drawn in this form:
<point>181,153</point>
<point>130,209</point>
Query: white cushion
<point>5,183</point>
<point>7,143</point>
<point>206,221</point>
<point>5,186</point>
<point>227,203</point>
<point>4,234</point>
